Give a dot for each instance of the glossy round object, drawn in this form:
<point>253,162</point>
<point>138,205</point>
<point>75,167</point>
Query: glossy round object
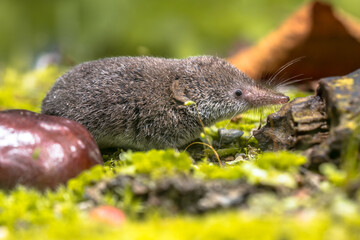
<point>43,151</point>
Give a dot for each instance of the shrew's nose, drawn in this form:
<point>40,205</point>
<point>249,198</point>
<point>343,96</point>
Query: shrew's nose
<point>284,99</point>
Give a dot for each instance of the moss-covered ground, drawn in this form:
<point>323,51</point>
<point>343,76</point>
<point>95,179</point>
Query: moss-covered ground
<point>300,205</point>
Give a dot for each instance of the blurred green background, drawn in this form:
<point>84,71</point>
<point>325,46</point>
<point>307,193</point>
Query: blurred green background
<point>80,30</point>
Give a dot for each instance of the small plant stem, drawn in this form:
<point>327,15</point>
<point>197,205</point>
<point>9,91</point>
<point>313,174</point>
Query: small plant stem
<point>202,124</point>
<point>209,146</point>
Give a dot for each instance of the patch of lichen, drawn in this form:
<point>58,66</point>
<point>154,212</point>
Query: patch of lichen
<point>344,84</point>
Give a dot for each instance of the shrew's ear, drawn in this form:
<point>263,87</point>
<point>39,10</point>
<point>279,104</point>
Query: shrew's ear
<point>178,92</point>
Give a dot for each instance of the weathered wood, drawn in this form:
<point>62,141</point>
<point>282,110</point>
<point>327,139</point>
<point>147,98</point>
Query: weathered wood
<point>299,124</point>
<point>326,125</point>
<point>342,99</point>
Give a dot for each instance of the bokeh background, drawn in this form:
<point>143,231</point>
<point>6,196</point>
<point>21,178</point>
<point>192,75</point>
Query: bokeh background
<point>74,31</point>
<point>42,39</point>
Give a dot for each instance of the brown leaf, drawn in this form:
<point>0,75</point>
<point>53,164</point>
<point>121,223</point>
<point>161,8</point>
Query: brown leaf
<point>328,41</point>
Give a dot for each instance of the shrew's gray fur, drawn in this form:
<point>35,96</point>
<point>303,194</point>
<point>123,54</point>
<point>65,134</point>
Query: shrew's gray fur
<point>138,102</point>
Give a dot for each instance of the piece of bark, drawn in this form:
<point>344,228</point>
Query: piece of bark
<point>299,124</point>
<point>342,98</point>
<point>329,122</point>
<point>327,41</point>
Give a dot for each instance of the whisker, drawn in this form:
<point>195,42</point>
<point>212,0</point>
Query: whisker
<point>294,81</point>
<point>291,78</point>
<point>288,80</point>
<point>282,68</point>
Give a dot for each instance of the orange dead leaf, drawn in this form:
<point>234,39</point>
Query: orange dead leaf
<point>328,40</point>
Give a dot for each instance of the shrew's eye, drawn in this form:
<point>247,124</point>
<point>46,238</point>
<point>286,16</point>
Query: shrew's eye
<point>238,92</point>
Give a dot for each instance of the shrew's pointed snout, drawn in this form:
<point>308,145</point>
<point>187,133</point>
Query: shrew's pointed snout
<point>273,98</point>
<point>258,97</point>
<point>284,99</point>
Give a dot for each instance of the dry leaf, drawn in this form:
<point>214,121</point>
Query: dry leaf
<point>327,41</point>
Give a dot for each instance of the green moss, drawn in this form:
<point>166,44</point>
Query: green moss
<point>24,207</point>
<point>283,160</point>
<point>276,169</point>
<point>77,185</point>
<point>29,214</point>
<point>246,124</point>
<point>226,225</point>
<point>333,174</point>
<point>211,171</point>
<point>157,163</point>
